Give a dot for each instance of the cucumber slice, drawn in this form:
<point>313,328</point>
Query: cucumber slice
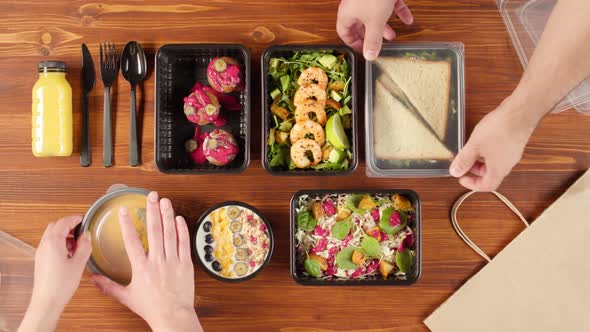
<point>344,110</point>
<point>328,61</point>
<point>336,156</point>
<point>274,94</point>
<point>335,95</point>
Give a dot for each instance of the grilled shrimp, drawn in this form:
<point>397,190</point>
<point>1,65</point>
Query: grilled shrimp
<point>310,92</point>
<point>303,112</point>
<point>313,75</point>
<point>300,153</point>
<point>305,129</point>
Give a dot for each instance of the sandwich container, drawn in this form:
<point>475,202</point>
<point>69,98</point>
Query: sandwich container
<point>297,269</point>
<point>452,53</point>
<point>178,68</point>
<point>525,21</point>
<point>288,50</point>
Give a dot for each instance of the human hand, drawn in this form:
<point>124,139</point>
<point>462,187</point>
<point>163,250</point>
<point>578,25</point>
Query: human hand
<point>59,263</point>
<point>363,25</point>
<point>495,146</point>
<point>162,289</point>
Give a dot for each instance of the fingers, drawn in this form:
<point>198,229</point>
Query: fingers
<point>373,40</point>
<point>170,238</point>
<point>184,246</point>
<point>487,182</point>
<point>63,226</point>
<point>154,226</point>
<point>388,33</point>
<point>464,161</point>
<point>110,288</point>
<point>347,32</point>
<point>403,12</point>
<point>478,169</point>
<point>131,239</point>
<point>83,249</point>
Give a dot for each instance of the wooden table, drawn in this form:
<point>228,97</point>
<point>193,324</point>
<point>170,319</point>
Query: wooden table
<point>34,191</point>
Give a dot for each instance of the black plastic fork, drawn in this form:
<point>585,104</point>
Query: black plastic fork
<point>109,69</point>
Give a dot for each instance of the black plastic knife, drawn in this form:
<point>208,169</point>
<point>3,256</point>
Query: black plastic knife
<point>88,81</point>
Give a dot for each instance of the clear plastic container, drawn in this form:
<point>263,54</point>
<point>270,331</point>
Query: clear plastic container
<point>17,262</point>
<point>525,21</point>
<point>415,109</point>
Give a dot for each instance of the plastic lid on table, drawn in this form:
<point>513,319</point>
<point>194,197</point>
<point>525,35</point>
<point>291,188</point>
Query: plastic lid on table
<point>17,262</point>
<point>525,21</point>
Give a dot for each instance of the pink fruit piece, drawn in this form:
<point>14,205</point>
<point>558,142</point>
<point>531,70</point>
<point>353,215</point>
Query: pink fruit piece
<point>252,264</point>
<point>346,240</point>
<point>384,236</point>
<point>407,242</point>
<point>329,207</point>
<point>357,273</point>
<point>262,227</point>
<point>319,231</point>
<point>395,219</point>
<point>320,246</point>
<point>375,214</point>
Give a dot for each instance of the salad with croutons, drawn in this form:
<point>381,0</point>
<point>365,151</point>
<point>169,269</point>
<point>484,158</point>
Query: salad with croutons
<point>355,236</point>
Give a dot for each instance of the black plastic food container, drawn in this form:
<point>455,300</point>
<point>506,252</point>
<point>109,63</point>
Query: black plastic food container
<point>287,50</point>
<point>178,68</point>
<point>296,271</point>
<point>195,243</point>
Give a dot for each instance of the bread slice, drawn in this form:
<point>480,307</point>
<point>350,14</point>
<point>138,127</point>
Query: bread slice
<point>399,135</point>
<point>426,84</point>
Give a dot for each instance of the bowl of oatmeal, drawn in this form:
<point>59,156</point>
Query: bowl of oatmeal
<point>233,241</point>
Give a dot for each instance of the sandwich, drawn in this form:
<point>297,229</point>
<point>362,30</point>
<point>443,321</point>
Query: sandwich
<point>426,85</point>
<point>399,135</point>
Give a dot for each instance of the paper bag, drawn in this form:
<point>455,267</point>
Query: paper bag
<point>539,282</point>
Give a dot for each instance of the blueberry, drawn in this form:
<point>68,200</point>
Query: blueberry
<point>207,226</point>
<point>208,249</point>
<point>209,258</point>
<point>216,266</point>
<point>209,238</point>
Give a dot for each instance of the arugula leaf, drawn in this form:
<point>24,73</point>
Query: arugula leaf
<point>371,246</point>
<point>312,267</point>
<point>306,221</point>
<point>386,226</point>
<point>279,155</point>
<point>341,229</point>
<point>344,259</point>
<point>403,259</point>
<point>329,166</point>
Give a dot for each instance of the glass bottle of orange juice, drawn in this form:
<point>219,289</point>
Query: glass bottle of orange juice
<point>52,111</point>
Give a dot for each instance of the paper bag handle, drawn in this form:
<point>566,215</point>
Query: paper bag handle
<point>460,232</point>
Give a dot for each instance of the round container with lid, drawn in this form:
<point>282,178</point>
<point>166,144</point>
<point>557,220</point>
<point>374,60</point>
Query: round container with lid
<point>109,256</point>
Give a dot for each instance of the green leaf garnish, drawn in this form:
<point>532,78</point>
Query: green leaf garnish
<point>306,221</point>
<point>344,259</point>
<point>312,267</point>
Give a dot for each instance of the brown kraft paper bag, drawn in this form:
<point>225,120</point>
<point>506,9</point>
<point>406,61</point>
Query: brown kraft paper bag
<point>539,282</point>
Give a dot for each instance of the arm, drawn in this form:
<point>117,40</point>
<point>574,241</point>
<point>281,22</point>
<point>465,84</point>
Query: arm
<point>58,269</point>
<point>560,62</point>
<point>167,270</point>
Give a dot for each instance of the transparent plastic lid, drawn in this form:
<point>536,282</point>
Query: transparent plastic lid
<point>525,21</point>
<point>17,262</point>
<point>414,109</point>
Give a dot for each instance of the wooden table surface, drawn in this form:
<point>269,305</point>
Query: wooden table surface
<point>35,191</point>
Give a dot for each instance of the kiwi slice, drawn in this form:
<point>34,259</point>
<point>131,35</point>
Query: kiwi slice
<point>220,65</point>
<point>235,226</point>
<point>210,109</point>
<point>242,254</point>
<point>240,269</point>
<point>233,212</point>
<point>238,240</point>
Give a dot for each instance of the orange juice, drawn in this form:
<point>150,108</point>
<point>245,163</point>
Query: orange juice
<point>52,112</point>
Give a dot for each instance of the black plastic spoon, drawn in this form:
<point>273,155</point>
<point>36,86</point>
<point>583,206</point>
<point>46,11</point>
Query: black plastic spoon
<point>134,69</point>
